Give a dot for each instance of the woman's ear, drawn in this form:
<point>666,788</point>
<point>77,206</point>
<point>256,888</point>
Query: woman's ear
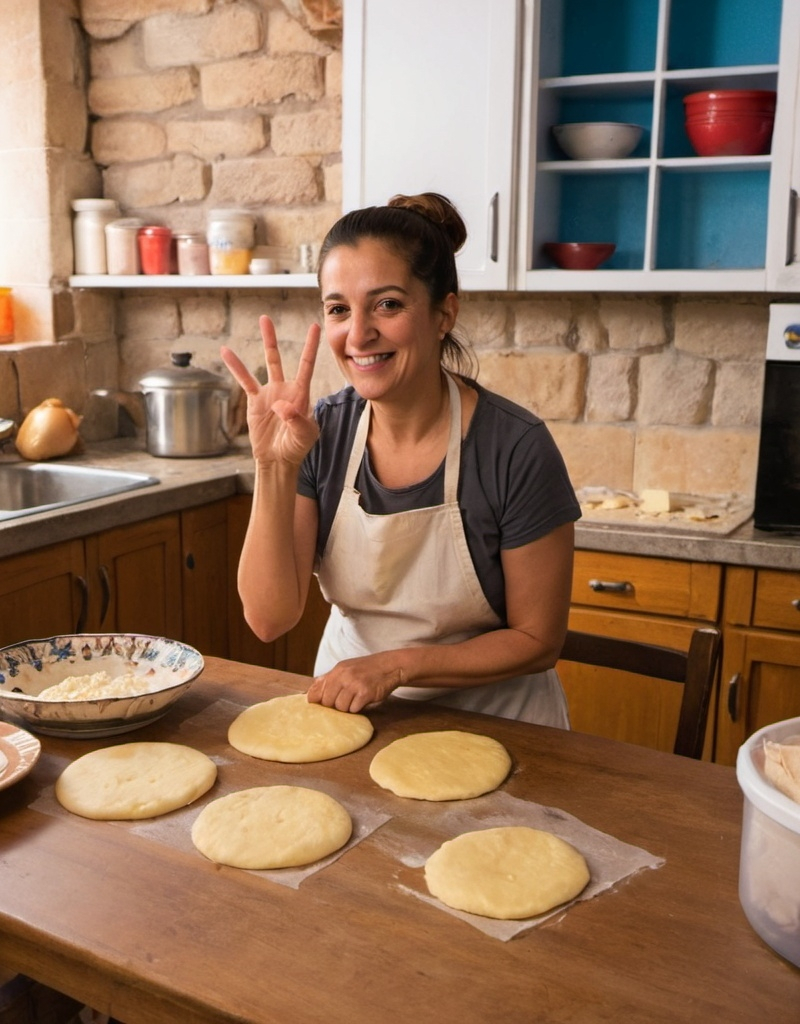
<point>449,311</point>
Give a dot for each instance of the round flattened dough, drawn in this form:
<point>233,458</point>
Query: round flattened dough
<point>510,873</point>
<point>135,780</point>
<point>271,827</point>
<point>293,730</point>
<point>448,765</point>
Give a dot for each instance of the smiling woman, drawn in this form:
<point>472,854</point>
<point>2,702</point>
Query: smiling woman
<point>437,516</point>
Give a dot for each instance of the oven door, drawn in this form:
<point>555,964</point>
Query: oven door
<point>777,501</point>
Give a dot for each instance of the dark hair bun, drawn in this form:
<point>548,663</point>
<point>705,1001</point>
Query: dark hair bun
<point>440,210</point>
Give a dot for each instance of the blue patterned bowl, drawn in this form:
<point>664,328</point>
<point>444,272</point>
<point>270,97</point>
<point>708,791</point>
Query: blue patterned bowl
<point>166,667</point>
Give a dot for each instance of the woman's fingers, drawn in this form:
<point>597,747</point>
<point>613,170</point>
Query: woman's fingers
<point>239,371</point>
<point>308,357</point>
<point>273,356</point>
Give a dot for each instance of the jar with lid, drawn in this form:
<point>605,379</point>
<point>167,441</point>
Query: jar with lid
<point>155,244</point>
<point>122,248</point>
<point>89,234</point>
<point>231,238</point>
<point>192,254</point>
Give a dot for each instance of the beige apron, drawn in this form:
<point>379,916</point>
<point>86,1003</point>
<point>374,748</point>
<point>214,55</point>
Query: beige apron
<point>407,579</point>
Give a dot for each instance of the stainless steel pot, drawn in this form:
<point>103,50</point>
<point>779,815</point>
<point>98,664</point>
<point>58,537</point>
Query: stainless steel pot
<point>186,410</point>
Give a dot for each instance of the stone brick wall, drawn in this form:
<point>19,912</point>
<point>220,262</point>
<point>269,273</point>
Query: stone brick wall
<point>189,104</point>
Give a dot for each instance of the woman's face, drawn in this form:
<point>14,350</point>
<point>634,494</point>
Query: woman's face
<point>379,321</point>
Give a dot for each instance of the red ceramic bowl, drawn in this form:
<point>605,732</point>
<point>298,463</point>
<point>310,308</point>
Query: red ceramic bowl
<point>745,135</point>
<point>578,255</point>
<point>730,101</point>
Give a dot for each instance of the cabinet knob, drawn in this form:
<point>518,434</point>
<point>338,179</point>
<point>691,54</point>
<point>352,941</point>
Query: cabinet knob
<point>796,603</point>
<point>611,586</point>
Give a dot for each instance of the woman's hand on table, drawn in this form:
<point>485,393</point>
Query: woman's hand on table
<point>279,422</point>
<point>357,683</point>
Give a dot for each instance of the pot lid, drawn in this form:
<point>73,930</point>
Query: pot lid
<point>181,374</point>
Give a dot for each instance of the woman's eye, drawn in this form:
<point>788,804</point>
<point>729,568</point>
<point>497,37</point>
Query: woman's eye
<point>390,305</point>
<point>336,310</point>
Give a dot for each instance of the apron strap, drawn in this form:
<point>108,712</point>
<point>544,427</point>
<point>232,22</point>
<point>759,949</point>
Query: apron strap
<point>452,465</point>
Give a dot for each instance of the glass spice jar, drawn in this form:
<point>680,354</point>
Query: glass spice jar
<point>231,238</point>
<point>155,243</point>
<point>122,246</point>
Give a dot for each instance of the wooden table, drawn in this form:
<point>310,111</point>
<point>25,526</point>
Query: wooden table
<point>150,933</point>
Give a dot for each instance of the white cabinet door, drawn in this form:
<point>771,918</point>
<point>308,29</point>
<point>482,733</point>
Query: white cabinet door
<point>430,91</point>
<point>783,254</point>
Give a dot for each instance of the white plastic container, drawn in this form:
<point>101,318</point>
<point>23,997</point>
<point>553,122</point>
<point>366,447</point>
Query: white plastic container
<point>122,247</point>
<point>89,233</point>
<point>231,239</point>
<point>769,866</point>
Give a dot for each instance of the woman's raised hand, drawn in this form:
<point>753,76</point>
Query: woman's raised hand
<point>278,413</point>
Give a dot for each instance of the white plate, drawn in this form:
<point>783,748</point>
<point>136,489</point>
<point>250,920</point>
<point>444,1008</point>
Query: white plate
<point>21,752</point>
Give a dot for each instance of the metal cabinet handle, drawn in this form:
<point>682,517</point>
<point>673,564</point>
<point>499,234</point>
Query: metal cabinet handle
<point>610,586</point>
<point>796,603</point>
<point>791,239</point>
<point>494,227</point>
<point>83,586</point>
<point>105,587</point>
<point>734,693</point>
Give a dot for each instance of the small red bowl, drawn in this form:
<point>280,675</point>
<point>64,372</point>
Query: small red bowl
<point>578,255</point>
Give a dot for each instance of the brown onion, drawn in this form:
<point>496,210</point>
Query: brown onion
<point>48,431</point>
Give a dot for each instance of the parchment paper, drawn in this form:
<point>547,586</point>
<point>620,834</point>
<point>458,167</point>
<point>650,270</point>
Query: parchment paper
<point>609,859</point>
<point>234,772</point>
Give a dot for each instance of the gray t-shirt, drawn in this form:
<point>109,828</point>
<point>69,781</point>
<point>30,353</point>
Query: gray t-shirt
<point>513,487</point>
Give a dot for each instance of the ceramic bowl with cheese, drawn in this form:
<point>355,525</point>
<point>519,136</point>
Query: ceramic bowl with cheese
<point>94,684</point>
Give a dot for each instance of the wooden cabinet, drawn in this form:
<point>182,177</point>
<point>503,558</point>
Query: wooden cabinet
<point>760,680</point>
<point>649,600</point>
<point>43,593</point>
<point>205,578</point>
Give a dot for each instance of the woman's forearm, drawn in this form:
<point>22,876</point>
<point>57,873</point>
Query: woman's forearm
<point>271,579</point>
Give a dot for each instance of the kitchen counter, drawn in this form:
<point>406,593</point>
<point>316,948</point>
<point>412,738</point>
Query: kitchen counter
<point>186,483</point>
<point>129,918</point>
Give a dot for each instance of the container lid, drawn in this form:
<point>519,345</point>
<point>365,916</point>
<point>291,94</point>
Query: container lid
<point>125,224</point>
<point>181,374</point>
<point>156,229</point>
<point>104,205</point>
<point>759,792</point>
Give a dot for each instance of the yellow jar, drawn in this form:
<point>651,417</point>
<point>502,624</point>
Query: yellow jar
<point>231,238</point>
<point>6,316</point>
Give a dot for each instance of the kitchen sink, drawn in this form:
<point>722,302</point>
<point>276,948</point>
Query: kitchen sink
<point>28,487</point>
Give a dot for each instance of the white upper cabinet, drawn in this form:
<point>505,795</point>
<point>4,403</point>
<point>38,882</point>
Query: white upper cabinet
<point>679,221</point>
<point>460,97</point>
<point>430,92</point>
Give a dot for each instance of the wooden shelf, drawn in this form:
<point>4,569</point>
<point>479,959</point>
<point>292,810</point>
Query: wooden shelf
<point>227,281</point>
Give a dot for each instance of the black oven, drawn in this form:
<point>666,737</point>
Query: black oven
<point>777,503</point>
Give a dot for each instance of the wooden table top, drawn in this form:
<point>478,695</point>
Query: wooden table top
<point>144,928</point>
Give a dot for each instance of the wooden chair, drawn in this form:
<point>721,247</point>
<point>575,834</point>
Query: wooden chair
<point>695,668</point>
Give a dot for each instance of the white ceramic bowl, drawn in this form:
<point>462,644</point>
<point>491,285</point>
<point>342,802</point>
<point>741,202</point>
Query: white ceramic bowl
<point>769,865</point>
<point>597,140</point>
<point>167,668</point>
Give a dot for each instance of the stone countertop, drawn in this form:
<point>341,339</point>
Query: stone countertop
<point>187,483</point>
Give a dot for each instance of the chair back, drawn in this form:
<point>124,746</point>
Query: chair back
<point>695,668</point>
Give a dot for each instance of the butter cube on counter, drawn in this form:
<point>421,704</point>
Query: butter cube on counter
<point>657,500</point>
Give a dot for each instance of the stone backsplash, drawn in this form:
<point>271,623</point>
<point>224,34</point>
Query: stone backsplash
<point>173,107</point>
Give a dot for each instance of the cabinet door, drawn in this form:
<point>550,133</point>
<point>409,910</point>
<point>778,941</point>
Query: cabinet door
<point>43,593</point>
<point>135,579</point>
<point>430,106</point>
<point>621,705</point>
<point>760,685</point>
<point>204,575</point>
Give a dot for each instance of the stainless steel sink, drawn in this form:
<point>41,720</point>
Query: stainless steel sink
<point>27,487</point>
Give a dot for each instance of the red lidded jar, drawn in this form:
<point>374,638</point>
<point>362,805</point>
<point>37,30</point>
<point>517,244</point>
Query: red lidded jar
<point>155,243</point>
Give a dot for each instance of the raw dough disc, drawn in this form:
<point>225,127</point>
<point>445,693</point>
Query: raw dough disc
<point>511,872</point>
<point>293,730</point>
<point>271,827</point>
<point>135,780</point>
<point>449,765</point>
